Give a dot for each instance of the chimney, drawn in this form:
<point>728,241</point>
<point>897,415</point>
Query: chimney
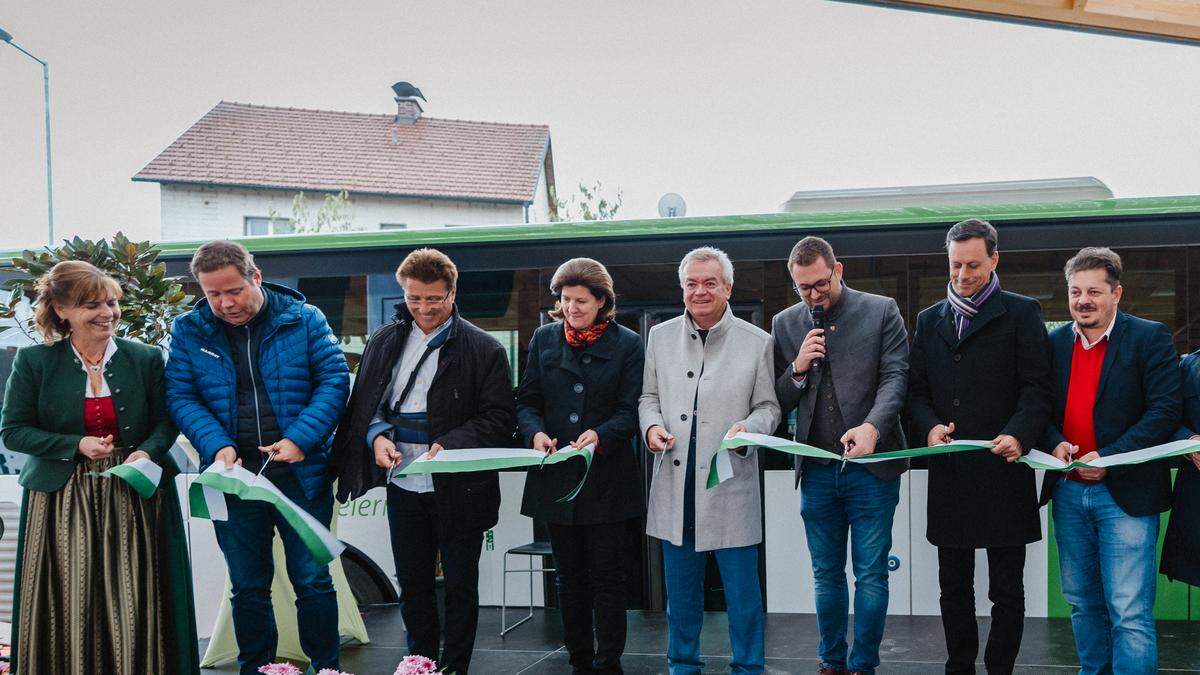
<point>408,110</point>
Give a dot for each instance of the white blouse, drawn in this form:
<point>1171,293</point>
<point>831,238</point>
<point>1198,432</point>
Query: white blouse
<point>108,354</point>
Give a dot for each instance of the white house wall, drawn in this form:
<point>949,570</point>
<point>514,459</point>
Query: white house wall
<point>197,212</point>
<point>539,212</point>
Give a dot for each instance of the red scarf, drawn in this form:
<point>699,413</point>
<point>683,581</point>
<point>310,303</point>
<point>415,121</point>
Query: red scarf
<point>586,337</point>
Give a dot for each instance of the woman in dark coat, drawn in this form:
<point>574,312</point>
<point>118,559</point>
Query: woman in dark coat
<point>581,386</point>
<point>103,583</point>
<point>1181,547</point>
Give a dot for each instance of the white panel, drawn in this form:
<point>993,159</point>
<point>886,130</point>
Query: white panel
<point>925,590</point>
<point>194,212</point>
<point>789,565</point>
<point>513,529</point>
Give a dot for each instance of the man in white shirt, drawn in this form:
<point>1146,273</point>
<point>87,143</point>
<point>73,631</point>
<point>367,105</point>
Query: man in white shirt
<point>430,381</point>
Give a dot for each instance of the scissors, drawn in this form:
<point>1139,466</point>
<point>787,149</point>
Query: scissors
<point>264,466</point>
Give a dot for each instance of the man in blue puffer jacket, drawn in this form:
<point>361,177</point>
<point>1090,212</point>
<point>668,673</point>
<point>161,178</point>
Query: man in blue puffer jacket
<point>256,377</point>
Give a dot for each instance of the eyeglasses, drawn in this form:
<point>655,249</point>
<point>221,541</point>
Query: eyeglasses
<point>807,289</point>
<point>427,300</point>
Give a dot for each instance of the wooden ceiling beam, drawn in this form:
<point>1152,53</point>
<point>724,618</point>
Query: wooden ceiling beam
<point>1176,20</point>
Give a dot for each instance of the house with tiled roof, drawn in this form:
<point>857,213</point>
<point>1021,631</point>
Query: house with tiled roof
<point>237,170</point>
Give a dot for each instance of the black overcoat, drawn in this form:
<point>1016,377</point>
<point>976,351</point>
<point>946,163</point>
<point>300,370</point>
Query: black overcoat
<point>995,380</point>
<point>1181,547</point>
<point>470,405</point>
<point>565,391</point>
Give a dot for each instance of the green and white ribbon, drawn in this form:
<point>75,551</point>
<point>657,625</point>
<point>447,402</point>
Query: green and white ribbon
<point>142,474</point>
<point>206,497</point>
<point>1040,460</point>
<point>721,469</point>
<point>491,459</point>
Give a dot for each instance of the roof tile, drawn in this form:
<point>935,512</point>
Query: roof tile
<point>292,148</point>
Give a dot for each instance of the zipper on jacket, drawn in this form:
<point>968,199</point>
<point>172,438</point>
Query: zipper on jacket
<point>254,387</point>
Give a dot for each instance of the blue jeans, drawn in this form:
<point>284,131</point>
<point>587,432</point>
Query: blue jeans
<point>1108,576</point>
<point>835,501</point>
<point>245,539</point>
<point>683,568</point>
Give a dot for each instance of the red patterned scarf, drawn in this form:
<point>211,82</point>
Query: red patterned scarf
<point>586,337</point>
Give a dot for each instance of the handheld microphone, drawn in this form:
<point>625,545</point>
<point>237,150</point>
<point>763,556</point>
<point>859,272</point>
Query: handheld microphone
<point>818,318</point>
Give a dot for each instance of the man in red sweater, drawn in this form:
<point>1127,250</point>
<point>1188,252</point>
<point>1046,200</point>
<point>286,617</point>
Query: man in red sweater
<point>1117,390</point>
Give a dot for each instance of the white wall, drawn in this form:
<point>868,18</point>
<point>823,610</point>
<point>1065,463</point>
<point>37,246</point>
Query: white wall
<point>539,211</point>
<point>913,584</point>
<point>197,212</point>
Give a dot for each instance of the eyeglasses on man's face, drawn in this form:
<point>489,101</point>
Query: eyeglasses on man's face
<point>821,286</point>
<point>425,300</point>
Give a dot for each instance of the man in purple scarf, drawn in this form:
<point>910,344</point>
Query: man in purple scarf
<point>979,369</point>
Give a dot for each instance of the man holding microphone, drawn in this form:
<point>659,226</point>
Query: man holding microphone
<point>841,362</point>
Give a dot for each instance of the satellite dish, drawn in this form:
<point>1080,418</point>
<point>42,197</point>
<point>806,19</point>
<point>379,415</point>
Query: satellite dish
<point>671,205</point>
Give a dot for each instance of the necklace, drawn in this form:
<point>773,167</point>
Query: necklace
<point>93,365</point>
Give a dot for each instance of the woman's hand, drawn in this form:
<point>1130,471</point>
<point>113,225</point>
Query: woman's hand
<point>589,437</point>
<point>136,455</point>
<point>96,448</point>
<point>543,443</point>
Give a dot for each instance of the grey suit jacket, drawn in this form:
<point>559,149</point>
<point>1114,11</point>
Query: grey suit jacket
<point>866,348</point>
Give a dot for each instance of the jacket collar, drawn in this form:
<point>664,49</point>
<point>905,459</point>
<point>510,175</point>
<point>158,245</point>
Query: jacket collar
<point>404,317</point>
<point>282,303</point>
<point>1120,324</point>
<point>1064,347</point>
<point>992,309</point>
<point>718,328</point>
<point>845,304</point>
<point>601,349</point>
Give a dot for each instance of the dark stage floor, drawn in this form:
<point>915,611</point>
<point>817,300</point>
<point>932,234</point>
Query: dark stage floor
<point>911,645</point>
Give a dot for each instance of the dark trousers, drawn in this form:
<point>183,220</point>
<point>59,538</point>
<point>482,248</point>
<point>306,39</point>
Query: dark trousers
<point>417,537</point>
<point>591,583</point>
<point>1006,590</point>
<point>245,539</point>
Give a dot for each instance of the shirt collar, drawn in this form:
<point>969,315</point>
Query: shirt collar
<point>108,354</point>
<point>1083,338</point>
<point>423,337</point>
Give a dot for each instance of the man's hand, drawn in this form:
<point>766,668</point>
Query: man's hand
<point>543,443</point>
<point>658,440</point>
<point>1007,447</point>
<point>735,430</point>
<point>1091,474</point>
<point>1194,458</point>
<point>940,435</point>
<point>285,451</point>
<point>136,455</point>
<point>434,450</point>
<point>386,454</point>
<point>1064,450</point>
<point>589,437</point>
<point>228,455</point>
<point>812,349</point>
<point>860,440</point>
<point>94,447</point>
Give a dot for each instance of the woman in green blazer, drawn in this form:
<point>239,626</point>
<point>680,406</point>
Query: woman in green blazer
<point>102,582</point>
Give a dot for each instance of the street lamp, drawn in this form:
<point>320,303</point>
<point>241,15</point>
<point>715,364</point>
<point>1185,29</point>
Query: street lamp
<point>6,37</point>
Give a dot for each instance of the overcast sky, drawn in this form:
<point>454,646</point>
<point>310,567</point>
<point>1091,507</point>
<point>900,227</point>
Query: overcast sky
<point>732,105</point>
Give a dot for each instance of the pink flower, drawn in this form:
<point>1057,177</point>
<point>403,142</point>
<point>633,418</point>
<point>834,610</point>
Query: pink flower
<point>330,671</point>
<point>279,669</point>
<point>416,665</point>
